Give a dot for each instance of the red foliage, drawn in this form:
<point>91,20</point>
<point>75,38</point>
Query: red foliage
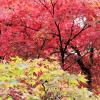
<point>31,28</point>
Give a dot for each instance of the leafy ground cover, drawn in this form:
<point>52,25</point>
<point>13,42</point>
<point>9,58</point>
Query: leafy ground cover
<point>41,79</point>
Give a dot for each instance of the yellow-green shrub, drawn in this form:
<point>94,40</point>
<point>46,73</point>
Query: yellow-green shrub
<point>40,79</point>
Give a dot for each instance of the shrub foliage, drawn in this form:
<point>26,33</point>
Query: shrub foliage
<point>40,79</point>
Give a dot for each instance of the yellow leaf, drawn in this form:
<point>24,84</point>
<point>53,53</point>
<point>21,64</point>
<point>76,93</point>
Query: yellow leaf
<point>82,78</point>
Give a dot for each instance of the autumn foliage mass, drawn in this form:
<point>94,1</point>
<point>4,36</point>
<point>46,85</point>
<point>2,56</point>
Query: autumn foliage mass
<point>61,37</point>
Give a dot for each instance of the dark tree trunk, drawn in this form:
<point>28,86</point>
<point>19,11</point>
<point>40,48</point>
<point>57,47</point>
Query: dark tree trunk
<point>87,72</point>
<point>85,69</point>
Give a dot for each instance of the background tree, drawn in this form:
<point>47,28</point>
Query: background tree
<point>40,28</point>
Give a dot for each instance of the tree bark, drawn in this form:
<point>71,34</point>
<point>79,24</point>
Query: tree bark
<point>85,69</point>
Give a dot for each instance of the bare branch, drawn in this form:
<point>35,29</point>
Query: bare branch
<point>84,28</point>
<point>53,6</point>
<point>70,39</point>
<point>46,7</point>
<point>76,60</point>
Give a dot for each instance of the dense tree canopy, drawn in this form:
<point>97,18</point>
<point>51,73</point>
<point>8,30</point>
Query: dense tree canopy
<point>69,30</point>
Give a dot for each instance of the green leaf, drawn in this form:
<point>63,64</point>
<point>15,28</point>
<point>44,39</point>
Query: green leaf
<point>4,78</point>
<point>82,78</point>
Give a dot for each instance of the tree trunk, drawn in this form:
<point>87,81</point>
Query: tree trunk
<point>87,72</point>
<point>85,69</point>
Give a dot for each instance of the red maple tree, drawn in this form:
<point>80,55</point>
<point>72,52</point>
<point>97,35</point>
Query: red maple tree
<point>39,28</point>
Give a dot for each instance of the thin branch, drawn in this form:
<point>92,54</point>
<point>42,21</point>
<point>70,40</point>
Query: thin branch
<point>54,52</point>
<point>59,35</point>
<point>30,28</point>
<point>76,60</point>
<point>53,6</point>
<point>46,7</point>
<point>43,43</point>
<point>70,39</point>
<point>84,28</point>
<point>54,34</point>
